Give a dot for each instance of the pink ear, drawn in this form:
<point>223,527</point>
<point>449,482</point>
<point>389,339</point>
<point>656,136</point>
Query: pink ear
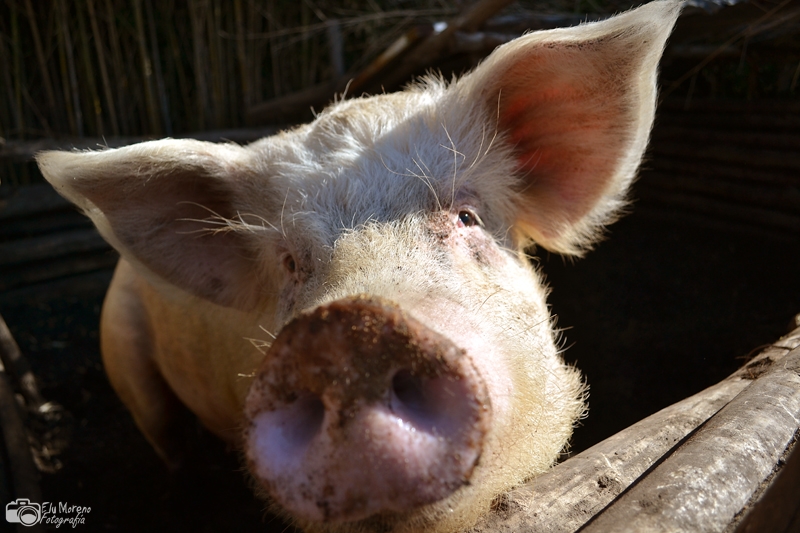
<point>576,106</point>
<point>153,202</point>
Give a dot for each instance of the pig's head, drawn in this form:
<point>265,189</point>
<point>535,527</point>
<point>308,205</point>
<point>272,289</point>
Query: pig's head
<point>414,375</point>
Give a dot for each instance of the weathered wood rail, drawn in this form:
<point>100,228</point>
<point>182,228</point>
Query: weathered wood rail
<point>722,460</point>
<point>43,237</point>
<point>734,162</point>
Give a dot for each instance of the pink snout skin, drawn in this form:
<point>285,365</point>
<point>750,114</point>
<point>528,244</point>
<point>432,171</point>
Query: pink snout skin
<point>360,410</point>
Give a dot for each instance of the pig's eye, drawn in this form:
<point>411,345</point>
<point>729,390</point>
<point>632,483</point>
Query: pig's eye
<point>467,218</point>
<point>289,264</point>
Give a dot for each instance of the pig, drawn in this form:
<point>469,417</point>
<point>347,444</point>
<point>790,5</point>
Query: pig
<point>350,303</point>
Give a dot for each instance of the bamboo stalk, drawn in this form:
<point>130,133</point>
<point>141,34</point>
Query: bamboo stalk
<point>34,107</point>
<point>233,109</point>
<point>255,23</point>
<point>241,55</point>
<point>335,47</point>
<point>64,71</point>
<point>5,80</point>
<point>189,106</point>
<point>195,14</point>
<point>120,76</point>
<point>101,59</point>
<point>305,49</point>
<point>16,50</point>
<point>4,68</point>
<point>217,82</point>
<point>273,50</point>
<point>147,70</point>
<point>89,83</point>
<point>160,87</point>
<point>44,71</point>
<point>71,93</point>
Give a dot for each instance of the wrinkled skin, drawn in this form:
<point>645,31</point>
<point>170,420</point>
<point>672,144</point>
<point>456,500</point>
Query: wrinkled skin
<point>349,302</point>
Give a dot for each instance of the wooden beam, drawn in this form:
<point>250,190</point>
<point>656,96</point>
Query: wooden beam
<point>567,497</point>
<point>706,481</point>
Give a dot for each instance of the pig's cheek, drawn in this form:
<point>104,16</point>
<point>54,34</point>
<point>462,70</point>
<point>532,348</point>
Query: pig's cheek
<point>287,300</point>
<point>491,365</point>
<point>493,368</point>
<point>475,244</point>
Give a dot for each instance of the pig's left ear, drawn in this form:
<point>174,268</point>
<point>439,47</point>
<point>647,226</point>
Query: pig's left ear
<point>159,203</point>
<point>575,106</point>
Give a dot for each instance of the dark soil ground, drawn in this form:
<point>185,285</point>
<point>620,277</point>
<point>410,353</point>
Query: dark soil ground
<point>662,309</point>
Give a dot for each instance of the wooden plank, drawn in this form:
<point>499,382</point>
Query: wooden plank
<point>737,119</point>
<point>673,131</point>
<point>83,285</point>
<point>25,477</point>
<point>668,215</point>
<point>777,509</point>
<point>19,368</point>
<point>723,153</point>
<point>416,49</point>
<point>719,208</point>
<point>723,107</point>
<point>568,496</point>
<point>30,200</point>
<point>565,498</point>
<point>22,151</point>
<point>434,47</point>
<point>751,194</point>
<point>707,480</point>
<point>51,247</point>
<point>46,271</point>
<point>54,221</point>
<point>746,173</point>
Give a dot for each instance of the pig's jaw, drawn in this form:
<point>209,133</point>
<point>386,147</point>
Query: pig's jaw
<point>361,411</point>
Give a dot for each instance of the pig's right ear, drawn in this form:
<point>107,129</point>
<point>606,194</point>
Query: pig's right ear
<point>574,107</point>
<point>153,202</point>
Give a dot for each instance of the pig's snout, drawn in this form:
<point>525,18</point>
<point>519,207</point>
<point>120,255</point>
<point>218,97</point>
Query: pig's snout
<point>359,409</point>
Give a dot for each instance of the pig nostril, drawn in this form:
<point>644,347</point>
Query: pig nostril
<point>309,413</point>
<point>415,400</point>
<point>288,430</point>
<point>408,389</point>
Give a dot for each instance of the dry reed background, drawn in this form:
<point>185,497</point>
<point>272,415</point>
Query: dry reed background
<point>142,67</point>
<point>133,67</point>
<point>107,68</point>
